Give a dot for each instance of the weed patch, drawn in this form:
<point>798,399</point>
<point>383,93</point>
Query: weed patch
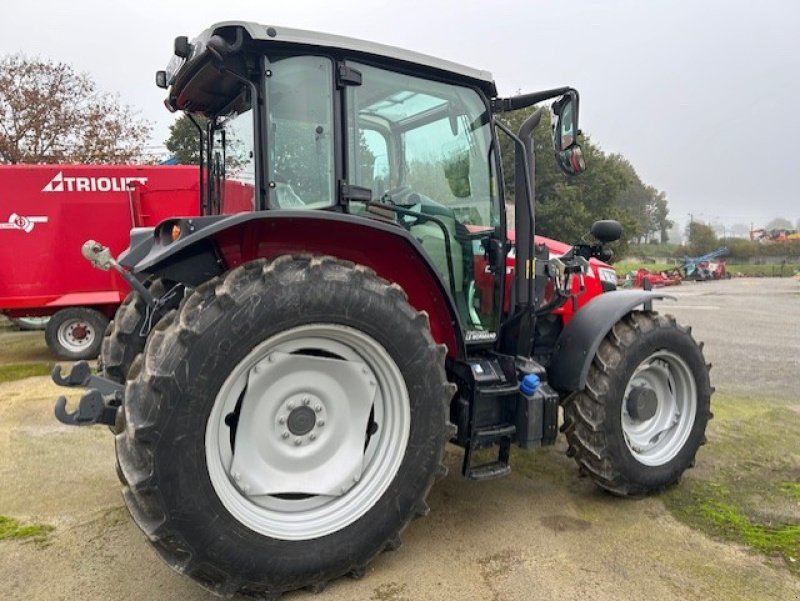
<point>18,371</point>
<point>745,486</point>
<point>13,529</point>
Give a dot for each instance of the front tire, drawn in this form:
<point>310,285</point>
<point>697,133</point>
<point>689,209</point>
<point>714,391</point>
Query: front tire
<point>637,425</point>
<point>284,426</point>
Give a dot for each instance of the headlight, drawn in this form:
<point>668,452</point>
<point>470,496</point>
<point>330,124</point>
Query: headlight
<point>607,276</point>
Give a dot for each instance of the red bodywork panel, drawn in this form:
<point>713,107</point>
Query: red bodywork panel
<point>47,212</point>
<point>592,284</point>
<point>392,257</point>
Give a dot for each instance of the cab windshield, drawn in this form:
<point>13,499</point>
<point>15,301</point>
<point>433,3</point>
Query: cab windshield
<point>424,149</point>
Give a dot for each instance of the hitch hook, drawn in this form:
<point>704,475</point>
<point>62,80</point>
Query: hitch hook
<point>78,376</point>
<point>92,409</point>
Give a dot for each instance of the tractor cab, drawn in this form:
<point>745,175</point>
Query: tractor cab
<point>302,121</point>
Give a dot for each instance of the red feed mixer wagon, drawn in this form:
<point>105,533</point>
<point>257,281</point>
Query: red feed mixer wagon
<point>47,212</point>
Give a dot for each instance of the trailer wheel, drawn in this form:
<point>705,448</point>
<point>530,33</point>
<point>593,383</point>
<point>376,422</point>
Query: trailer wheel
<point>283,426</point>
<point>126,334</point>
<point>641,418</point>
<point>76,333</point>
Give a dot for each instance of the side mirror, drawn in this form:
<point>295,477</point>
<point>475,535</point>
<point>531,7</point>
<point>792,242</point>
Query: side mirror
<point>161,79</point>
<point>182,47</point>
<point>606,230</point>
<point>569,155</point>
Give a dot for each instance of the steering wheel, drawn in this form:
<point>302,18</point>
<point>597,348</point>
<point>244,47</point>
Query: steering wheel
<point>397,195</point>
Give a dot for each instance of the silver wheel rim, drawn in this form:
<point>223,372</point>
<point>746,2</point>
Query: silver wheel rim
<point>76,335</point>
<point>656,439</point>
<point>323,385</point>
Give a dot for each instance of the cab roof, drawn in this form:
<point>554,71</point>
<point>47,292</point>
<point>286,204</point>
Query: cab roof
<point>278,35</point>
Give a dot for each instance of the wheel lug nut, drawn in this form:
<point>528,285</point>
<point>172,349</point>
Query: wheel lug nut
<point>237,476</point>
<point>318,408</point>
<point>270,358</point>
<point>290,405</point>
<point>312,436</point>
<point>285,435</point>
<point>298,441</point>
<point>281,420</point>
<point>256,369</point>
<point>321,423</point>
<point>306,400</point>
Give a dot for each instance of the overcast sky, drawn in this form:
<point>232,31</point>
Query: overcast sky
<point>699,95</point>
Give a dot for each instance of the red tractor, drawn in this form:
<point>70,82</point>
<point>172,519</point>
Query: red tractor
<point>284,380</point>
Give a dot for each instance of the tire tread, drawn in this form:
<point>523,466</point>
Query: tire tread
<point>152,372</point>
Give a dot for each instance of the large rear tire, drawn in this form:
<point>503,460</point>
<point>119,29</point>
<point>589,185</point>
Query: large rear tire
<point>284,426</point>
<point>637,425</point>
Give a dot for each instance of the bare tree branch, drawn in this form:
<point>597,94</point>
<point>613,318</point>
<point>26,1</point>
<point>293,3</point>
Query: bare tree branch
<point>49,113</point>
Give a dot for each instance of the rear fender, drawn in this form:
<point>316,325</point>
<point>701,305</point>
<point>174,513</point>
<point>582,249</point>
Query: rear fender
<point>576,346</point>
<point>209,246</point>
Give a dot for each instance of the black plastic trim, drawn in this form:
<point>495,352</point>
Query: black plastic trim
<point>576,347</point>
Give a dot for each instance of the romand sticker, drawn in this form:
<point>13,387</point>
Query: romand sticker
<point>20,222</point>
<point>480,336</point>
<point>59,183</point>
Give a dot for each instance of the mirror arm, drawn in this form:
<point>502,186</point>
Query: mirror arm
<point>502,105</point>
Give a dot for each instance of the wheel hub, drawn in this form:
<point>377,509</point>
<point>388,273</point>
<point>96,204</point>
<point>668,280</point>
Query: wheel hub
<point>318,446</point>
<point>301,421</point>
<point>642,403</point>
<point>659,408</point>
<point>79,332</point>
<point>75,335</point>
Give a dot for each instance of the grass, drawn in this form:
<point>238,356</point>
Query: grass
<point>714,508</point>
<point>13,529</point>
<point>18,371</point>
<point>792,489</point>
<point>764,271</point>
<point>624,267</point>
<point>746,485</point>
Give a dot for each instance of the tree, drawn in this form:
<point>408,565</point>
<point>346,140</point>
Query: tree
<point>701,238</point>
<point>184,139</point>
<point>646,204</point>
<point>779,223</point>
<point>567,206</point>
<point>49,113</point>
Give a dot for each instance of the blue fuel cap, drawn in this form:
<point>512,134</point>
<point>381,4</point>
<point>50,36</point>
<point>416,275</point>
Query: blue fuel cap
<point>529,384</point>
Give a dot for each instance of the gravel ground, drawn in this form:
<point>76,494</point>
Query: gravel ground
<point>751,329</point>
<point>542,533</point>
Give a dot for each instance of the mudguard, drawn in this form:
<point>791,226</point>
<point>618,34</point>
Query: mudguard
<point>576,347</point>
<point>203,247</point>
